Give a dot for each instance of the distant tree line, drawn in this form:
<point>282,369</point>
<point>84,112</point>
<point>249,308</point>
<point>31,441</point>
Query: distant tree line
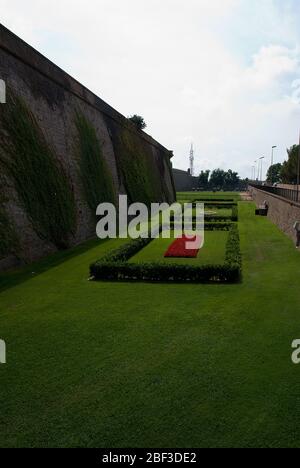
<point>218,179</point>
<point>287,172</point>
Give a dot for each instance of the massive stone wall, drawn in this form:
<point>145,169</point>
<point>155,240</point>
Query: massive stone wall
<point>72,127</point>
<point>282,212</point>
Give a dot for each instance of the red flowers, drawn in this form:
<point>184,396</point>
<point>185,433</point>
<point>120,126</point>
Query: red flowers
<point>179,248</point>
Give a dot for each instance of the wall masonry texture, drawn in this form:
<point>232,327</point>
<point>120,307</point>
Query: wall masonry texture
<point>53,97</point>
<point>282,212</point>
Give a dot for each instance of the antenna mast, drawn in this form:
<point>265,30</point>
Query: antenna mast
<point>192,160</point>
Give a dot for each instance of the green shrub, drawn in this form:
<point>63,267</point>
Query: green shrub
<point>235,213</point>
<point>219,226</point>
<point>211,226</point>
<point>217,204</point>
<point>234,216</point>
<point>126,251</point>
<point>162,272</point>
<point>94,172</point>
<point>39,179</point>
<point>215,201</point>
<point>233,256</point>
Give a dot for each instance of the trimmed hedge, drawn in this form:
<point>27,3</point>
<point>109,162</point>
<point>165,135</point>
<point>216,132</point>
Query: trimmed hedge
<point>115,266</point>
<point>218,226</point>
<point>125,252</point>
<point>219,218</point>
<point>235,213</point>
<point>233,251</point>
<point>216,205</point>
<point>216,200</point>
<point>162,272</point>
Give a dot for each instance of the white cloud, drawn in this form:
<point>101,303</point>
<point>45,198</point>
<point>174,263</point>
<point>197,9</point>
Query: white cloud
<point>270,64</point>
<point>182,66</point>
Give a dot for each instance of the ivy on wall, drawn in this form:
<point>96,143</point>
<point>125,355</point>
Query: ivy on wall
<point>95,174</point>
<point>165,166</point>
<point>137,166</point>
<point>9,243</point>
<point>40,181</point>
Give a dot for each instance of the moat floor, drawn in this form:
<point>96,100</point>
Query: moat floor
<point>153,365</point>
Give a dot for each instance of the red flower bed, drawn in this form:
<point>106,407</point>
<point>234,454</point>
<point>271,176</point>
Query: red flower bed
<point>178,249</point>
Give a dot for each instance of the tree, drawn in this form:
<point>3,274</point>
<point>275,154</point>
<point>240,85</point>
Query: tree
<point>138,121</point>
<point>231,180</point>
<point>204,179</point>
<point>290,167</point>
<point>217,179</point>
<point>274,173</point>
<point>221,180</point>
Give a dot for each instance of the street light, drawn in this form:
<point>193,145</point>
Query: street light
<point>272,163</point>
<point>298,171</point>
<point>261,166</point>
<point>256,162</point>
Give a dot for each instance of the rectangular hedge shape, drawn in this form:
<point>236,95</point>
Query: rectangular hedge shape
<point>115,266</point>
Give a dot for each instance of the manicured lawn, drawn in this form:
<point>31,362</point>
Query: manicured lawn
<point>216,211</point>
<point>156,365</point>
<point>213,251</point>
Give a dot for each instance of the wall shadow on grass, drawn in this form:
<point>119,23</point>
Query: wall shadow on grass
<point>15,277</point>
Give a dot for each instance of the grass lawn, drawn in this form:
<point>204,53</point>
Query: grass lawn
<point>95,364</point>
<point>213,251</point>
<point>216,211</point>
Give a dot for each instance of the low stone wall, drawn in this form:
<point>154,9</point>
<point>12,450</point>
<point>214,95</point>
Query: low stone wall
<point>282,212</point>
<point>287,186</point>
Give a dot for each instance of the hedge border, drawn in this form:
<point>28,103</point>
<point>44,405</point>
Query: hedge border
<point>215,218</point>
<point>218,218</point>
<point>115,266</point>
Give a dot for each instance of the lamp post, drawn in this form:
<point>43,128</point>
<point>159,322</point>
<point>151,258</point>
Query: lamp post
<point>261,167</point>
<point>256,163</point>
<point>298,172</point>
<point>272,163</point>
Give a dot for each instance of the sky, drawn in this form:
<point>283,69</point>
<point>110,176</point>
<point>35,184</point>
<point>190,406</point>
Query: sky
<point>223,74</point>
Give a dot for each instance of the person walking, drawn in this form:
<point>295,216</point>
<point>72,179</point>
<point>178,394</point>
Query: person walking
<point>297,229</point>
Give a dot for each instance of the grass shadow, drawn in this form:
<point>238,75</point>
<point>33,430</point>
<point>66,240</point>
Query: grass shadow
<point>17,276</point>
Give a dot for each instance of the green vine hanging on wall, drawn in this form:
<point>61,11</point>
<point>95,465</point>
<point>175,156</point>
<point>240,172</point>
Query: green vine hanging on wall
<point>137,167</point>
<point>9,243</point>
<point>39,179</point>
<point>95,174</point>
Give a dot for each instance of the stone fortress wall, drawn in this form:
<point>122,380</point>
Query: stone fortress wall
<point>89,144</point>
